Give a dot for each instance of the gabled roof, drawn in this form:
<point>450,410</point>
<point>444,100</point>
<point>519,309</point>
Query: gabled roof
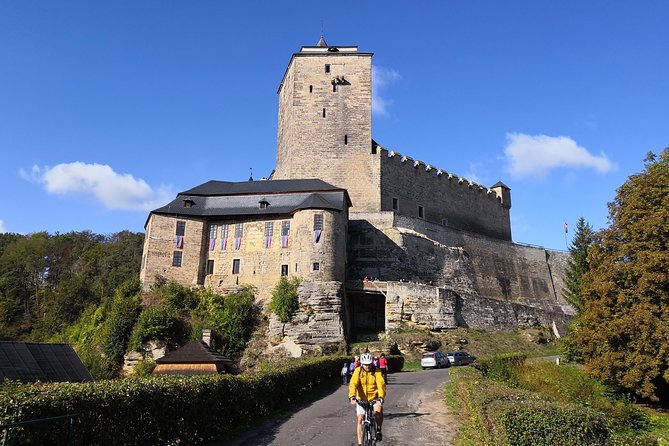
<point>195,352</point>
<point>500,184</point>
<point>33,361</point>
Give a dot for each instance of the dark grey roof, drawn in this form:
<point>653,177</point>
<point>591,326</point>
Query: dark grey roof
<point>221,198</point>
<point>321,42</point>
<point>498,184</point>
<point>33,361</point>
<point>195,352</point>
<point>214,187</point>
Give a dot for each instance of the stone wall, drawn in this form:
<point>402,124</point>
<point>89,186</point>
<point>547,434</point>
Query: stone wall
<point>259,265</point>
<point>160,245</point>
<point>445,198</point>
<point>439,309</point>
<point>327,134</point>
<point>317,323</point>
<point>399,248</point>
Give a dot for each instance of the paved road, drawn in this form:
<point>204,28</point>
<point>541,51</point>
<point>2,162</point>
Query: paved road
<point>414,414</point>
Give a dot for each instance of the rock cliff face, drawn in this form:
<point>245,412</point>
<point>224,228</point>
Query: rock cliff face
<point>433,277</point>
<point>317,325</point>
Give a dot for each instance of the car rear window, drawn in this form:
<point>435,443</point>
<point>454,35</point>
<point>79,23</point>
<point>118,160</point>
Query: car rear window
<point>428,355</point>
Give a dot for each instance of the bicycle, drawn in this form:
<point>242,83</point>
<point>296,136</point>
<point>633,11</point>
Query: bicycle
<point>368,423</point>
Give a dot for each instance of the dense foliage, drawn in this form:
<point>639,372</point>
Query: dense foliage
<point>511,401</point>
<point>624,327</point>
<point>48,281</point>
<point>577,264</point>
<point>285,301</point>
<point>161,410</point>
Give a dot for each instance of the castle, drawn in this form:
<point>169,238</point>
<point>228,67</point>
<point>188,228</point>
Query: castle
<point>340,207</point>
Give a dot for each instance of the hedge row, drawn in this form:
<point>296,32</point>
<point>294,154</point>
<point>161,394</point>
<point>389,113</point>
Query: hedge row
<point>500,367</point>
<point>503,416</point>
<point>158,410</point>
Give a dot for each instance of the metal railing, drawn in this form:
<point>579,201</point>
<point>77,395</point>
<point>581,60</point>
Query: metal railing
<point>6,427</point>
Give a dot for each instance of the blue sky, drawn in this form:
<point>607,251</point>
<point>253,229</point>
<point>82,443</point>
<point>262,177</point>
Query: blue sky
<point>108,109</point>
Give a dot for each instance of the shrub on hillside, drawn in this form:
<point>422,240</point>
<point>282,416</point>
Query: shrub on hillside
<point>285,301</point>
<point>502,367</point>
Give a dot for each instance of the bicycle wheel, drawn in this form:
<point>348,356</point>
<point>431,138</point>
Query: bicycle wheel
<point>366,435</point>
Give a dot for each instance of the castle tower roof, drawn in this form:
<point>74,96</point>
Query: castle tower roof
<point>322,42</point>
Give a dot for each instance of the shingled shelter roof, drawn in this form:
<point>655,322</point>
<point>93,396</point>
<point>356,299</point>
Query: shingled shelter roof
<point>194,358</point>
<point>34,361</point>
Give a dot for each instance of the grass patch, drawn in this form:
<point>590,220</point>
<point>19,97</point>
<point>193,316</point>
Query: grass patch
<point>411,366</point>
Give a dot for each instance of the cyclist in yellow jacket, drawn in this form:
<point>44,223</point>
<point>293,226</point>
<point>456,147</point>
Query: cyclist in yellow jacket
<point>367,384</point>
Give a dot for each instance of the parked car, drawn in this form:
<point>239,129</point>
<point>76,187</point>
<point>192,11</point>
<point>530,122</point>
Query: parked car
<point>435,360</point>
<point>460,358</point>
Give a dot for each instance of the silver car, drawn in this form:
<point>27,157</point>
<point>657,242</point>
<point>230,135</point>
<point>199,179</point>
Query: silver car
<point>460,358</point>
<point>434,360</point>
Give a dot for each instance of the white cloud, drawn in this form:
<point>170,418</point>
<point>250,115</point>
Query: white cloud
<point>381,79</point>
<point>535,156</point>
<point>2,227</point>
<point>113,190</point>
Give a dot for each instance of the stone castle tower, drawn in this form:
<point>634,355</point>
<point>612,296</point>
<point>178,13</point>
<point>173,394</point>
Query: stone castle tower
<point>325,122</point>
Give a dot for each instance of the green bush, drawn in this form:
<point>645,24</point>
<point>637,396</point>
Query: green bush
<point>122,317</point>
<point>542,423</point>
<point>156,324</point>
<point>503,367</point>
<point>285,301</point>
<point>495,414</point>
<point>161,410</point>
<point>143,368</point>
<point>177,297</point>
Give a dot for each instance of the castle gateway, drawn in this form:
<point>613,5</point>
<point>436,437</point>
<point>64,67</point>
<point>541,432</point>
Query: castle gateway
<point>340,207</point>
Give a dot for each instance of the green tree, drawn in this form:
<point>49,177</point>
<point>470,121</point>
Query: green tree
<point>625,323</point>
<point>577,264</point>
<point>285,300</point>
<point>122,318</point>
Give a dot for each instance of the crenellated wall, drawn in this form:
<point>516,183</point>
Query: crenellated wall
<point>445,198</point>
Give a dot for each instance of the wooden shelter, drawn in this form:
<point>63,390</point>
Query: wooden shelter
<point>194,358</point>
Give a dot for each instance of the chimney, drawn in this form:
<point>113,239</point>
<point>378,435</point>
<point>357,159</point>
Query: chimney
<point>206,336</point>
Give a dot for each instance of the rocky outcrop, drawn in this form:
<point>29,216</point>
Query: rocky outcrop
<point>317,325</point>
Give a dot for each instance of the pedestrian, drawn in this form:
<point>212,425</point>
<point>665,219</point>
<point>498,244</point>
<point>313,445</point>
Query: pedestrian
<point>344,374</point>
<point>383,366</point>
<point>375,361</point>
<point>357,361</point>
<point>351,368</point>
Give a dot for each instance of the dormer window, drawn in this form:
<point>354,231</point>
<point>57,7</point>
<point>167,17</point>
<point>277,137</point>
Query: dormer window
<point>188,203</point>
<point>264,204</point>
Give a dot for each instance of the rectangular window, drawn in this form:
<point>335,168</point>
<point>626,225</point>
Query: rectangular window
<point>210,267</point>
<point>269,232</point>
<point>345,139</point>
<point>334,88</point>
<point>324,113</point>
<point>235,266</point>
<point>285,233</point>
<point>181,228</point>
<point>316,266</point>
<point>213,231</point>
<point>327,68</point>
<point>284,270</point>
<point>318,222</point>
<point>239,232</point>
<point>318,227</point>
<point>176,258</point>
<point>224,237</point>
<point>421,212</point>
<point>396,204</point>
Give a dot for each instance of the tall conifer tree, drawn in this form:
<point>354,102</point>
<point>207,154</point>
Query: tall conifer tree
<point>578,264</point>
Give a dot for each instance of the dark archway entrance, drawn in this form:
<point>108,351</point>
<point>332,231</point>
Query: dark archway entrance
<point>367,315</point>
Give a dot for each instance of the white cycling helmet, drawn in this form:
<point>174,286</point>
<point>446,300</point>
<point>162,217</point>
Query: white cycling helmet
<point>365,359</point>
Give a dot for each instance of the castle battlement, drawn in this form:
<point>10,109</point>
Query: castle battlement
<point>440,174</point>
